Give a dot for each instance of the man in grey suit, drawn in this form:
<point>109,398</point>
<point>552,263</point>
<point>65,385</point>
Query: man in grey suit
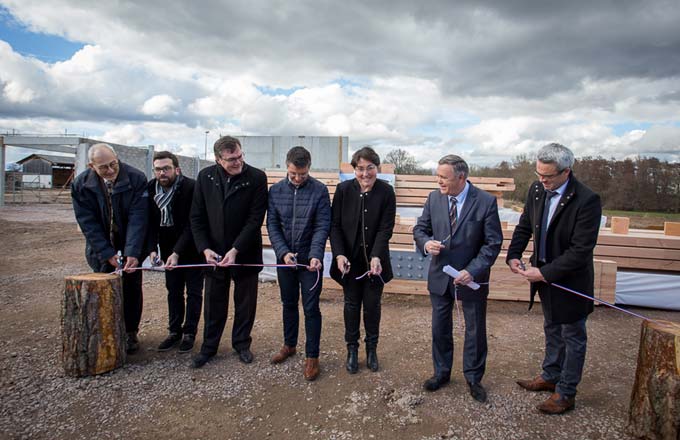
<point>459,227</point>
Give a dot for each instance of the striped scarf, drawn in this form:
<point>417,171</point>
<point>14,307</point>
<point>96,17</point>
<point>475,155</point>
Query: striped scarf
<point>163,198</point>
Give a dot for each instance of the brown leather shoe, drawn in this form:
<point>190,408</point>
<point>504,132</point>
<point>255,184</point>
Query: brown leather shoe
<point>536,384</point>
<point>311,369</point>
<point>283,354</point>
<point>557,404</point>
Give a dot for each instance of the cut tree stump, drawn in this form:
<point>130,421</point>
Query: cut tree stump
<point>92,324</point>
<point>655,401</point>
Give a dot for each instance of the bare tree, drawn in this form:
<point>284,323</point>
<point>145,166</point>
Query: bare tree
<point>403,161</point>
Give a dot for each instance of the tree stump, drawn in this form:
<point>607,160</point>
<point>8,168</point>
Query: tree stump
<point>655,401</point>
<point>93,328</point>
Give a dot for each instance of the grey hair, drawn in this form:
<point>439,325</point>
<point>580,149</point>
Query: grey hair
<point>558,154</point>
<point>97,147</point>
<point>458,163</point>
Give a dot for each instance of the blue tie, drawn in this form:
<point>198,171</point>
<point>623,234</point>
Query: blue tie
<point>544,224</point>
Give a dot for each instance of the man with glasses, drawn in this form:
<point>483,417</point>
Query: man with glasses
<point>563,216</point>
<point>110,205</point>
<point>230,200</point>
<point>170,197</point>
<point>298,222</point>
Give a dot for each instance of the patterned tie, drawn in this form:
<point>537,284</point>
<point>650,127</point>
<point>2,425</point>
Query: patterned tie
<point>544,224</point>
<point>453,214</point>
<point>109,201</point>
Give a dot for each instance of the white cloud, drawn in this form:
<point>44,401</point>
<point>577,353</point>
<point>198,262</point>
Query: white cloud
<point>488,81</point>
<point>160,105</point>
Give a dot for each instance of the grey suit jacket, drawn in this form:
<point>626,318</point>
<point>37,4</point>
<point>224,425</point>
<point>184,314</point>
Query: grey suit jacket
<point>474,245</point>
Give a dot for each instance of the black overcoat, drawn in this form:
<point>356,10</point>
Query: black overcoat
<point>572,236</point>
<point>178,237</point>
<point>221,220</point>
<point>380,210</point>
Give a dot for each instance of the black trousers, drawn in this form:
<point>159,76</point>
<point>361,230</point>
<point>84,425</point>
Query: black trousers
<point>183,316</point>
<point>133,300</point>
<point>217,285</point>
<point>366,292</point>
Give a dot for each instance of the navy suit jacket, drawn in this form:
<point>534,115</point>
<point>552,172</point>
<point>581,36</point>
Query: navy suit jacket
<point>474,246</point>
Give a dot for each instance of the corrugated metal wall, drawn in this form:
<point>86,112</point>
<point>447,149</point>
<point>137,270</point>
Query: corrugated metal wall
<point>270,151</point>
<point>261,151</point>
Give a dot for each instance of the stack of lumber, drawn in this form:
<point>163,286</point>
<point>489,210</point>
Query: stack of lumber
<point>411,190</point>
<point>636,250</point>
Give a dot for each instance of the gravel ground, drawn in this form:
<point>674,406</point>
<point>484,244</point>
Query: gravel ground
<point>156,395</point>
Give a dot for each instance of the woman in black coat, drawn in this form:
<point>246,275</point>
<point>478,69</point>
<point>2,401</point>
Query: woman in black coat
<point>362,223</point>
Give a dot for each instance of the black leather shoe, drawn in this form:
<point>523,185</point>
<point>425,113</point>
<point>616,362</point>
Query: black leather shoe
<point>170,342</point>
<point>435,382</point>
<point>200,359</point>
<point>477,392</point>
<point>372,359</point>
<point>132,343</point>
<point>187,343</point>
<point>245,355</point>
<point>352,360</point>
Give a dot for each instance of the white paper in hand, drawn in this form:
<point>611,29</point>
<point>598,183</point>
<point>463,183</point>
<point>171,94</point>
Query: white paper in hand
<point>453,273</point>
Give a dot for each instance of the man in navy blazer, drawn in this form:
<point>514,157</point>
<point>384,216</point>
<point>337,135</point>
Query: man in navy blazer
<point>459,227</point>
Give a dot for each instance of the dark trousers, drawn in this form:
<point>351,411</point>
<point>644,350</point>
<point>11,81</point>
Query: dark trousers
<point>293,284</point>
<point>367,292</point>
<point>217,285</point>
<point>474,347</point>
<point>565,354</point>
<point>179,312</point>
<point>132,292</point>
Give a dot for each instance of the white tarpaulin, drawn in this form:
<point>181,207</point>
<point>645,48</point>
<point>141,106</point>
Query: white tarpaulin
<point>659,291</point>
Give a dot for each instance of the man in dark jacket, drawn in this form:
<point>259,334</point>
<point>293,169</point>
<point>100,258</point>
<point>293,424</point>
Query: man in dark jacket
<point>563,216</point>
<point>459,227</point>
<point>170,196</point>
<point>298,222</point>
<point>230,200</point>
<point>110,205</point>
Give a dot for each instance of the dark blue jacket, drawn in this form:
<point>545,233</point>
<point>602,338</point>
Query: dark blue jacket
<point>130,212</point>
<point>299,219</point>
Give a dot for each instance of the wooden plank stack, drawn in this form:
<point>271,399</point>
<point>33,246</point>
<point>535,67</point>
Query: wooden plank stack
<point>622,248</point>
<point>411,190</point>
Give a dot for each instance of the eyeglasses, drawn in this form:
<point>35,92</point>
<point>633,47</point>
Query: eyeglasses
<point>297,175</point>
<point>369,169</point>
<point>232,160</point>
<point>110,166</point>
<point>165,170</point>
<point>549,176</point>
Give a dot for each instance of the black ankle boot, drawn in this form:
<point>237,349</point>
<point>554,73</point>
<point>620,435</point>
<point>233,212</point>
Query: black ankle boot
<point>352,360</point>
<point>372,359</point>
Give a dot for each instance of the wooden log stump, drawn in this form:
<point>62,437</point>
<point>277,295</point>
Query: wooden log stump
<point>655,401</point>
<point>93,328</point>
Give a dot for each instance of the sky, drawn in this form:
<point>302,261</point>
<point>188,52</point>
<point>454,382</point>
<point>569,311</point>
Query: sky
<point>487,80</point>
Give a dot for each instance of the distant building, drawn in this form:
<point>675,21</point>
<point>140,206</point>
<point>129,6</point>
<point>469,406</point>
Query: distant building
<point>269,152</point>
<point>46,171</point>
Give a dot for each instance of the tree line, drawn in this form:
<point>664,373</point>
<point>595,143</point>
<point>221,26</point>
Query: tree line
<point>640,184</point>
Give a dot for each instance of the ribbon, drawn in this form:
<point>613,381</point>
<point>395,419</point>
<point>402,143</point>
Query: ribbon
<point>187,266</point>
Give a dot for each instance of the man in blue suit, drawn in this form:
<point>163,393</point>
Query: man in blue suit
<point>459,227</point>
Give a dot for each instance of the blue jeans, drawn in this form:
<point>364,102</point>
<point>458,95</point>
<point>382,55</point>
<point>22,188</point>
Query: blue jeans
<point>565,355</point>
<point>293,283</point>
